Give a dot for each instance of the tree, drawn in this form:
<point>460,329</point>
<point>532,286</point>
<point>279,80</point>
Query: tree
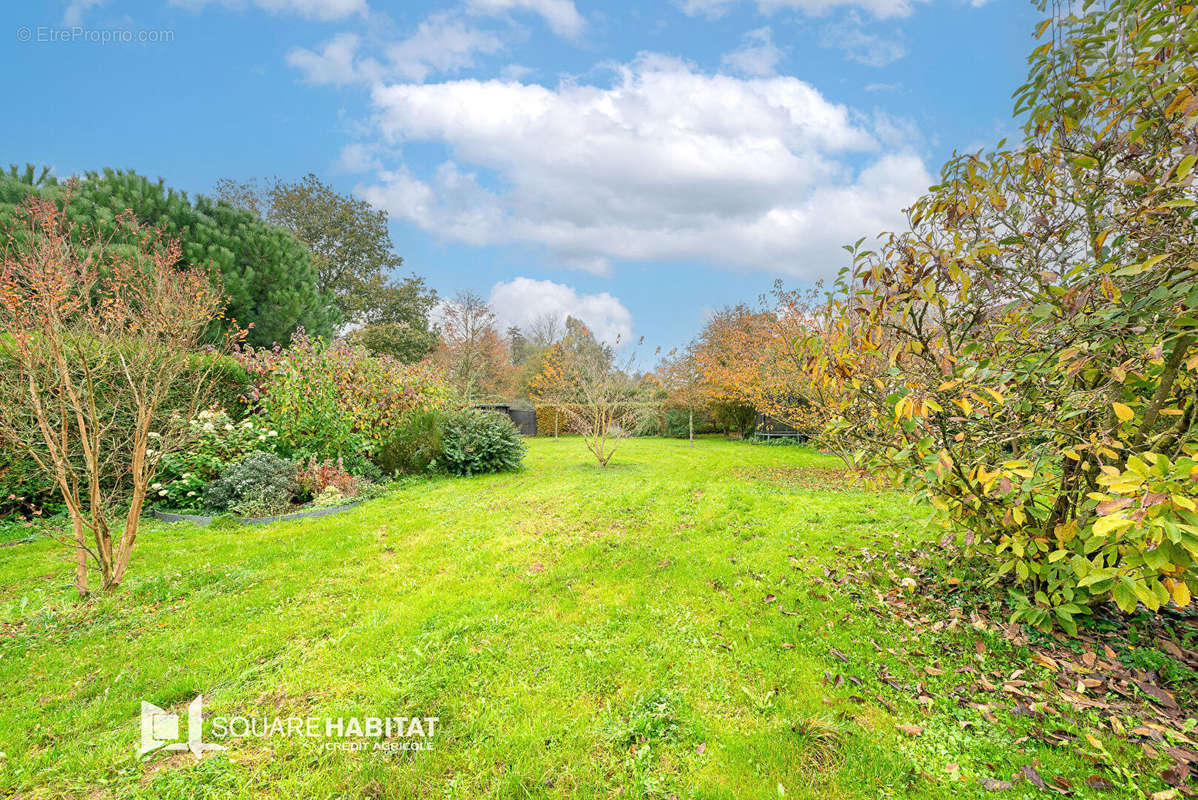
<point>474,357</point>
<point>265,272</point>
<point>1024,355</point>
<point>682,378</point>
<point>728,353</point>
<point>604,401</point>
<point>546,330</point>
<point>396,322</point>
<point>517,345</point>
<point>353,257</point>
<point>99,334</point>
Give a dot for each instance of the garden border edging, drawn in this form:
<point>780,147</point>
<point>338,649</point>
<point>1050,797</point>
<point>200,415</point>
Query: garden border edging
<point>201,519</point>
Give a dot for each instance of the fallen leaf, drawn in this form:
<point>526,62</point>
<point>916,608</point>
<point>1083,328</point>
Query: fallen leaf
<point>995,785</point>
<point>1029,772</point>
<point>1176,775</point>
<point>1157,693</point>
<point>911,730</point>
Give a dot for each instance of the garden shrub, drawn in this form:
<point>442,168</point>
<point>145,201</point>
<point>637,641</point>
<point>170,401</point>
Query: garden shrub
<point>26,490</point>
<point>678,423</point>
<point>313,477</point>
<point>230,383</point>
<point>413,446</point>
<point>217,442</point>
<point>476,441</point>
<point>338,401</point>
<point>259,484</point>
<point>329,496</point>
<point>1025,355</point>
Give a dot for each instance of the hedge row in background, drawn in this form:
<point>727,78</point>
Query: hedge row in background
<point>670,422</point>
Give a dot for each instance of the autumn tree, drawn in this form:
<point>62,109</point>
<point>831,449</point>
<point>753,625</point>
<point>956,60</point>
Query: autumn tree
<point>531,347</point>
<point>98,333</point>
<point>474,356</point>
<point>728,354</point>
<point>1024,355</point>
<point>682,378</point>
<point>603,399</point>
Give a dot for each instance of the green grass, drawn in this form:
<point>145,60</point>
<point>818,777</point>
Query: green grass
<point>579,632</point>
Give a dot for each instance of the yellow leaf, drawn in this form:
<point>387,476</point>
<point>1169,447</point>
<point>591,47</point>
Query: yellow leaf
<point>1184,166</point>
<point>1123,412</point>
<point>1181,594</point>
<point>1105,525</point>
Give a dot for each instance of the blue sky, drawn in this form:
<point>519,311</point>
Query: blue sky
<point>636,164</point>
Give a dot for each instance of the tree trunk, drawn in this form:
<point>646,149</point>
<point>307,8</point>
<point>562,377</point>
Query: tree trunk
<point>690,424</point>
<point>555,416</point>
<point>80,557</point>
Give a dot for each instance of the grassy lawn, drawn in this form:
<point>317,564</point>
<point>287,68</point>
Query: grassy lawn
<point>664,627</point>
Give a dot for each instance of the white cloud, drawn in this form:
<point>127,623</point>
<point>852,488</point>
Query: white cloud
<point>665,163</point>
<point>560,15</point>
<point>333,64</point>
<point>871,49</point>
<point>313,9</point>
<point>757,56</point>
<point>357,157</point>
<point>443,43</point>
<point>882,9</point>
<point>516,72</point>
<point>521,301</point>
<point>74,12</point>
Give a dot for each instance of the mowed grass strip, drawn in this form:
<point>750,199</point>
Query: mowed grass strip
<point>658,628</point>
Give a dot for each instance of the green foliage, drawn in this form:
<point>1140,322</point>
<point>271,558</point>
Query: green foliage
<point>1152,658</point>
<point>475,442</point>
<point>1026,355</point>
<point>652,719</point>
<point>731,416</point>
<point>259,484</point>
<point>677,423</point>
<point>353,258</point>
<point>26,490</point>
<point>401,340</point>
<point>265,271</point>
<point>216,442</point>
<point>329,496</point>
<point>338,401</point>
<point>413,446</point>
<point>230,383</point>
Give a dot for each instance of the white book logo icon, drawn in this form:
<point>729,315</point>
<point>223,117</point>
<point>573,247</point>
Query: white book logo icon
<point>160,729</point>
